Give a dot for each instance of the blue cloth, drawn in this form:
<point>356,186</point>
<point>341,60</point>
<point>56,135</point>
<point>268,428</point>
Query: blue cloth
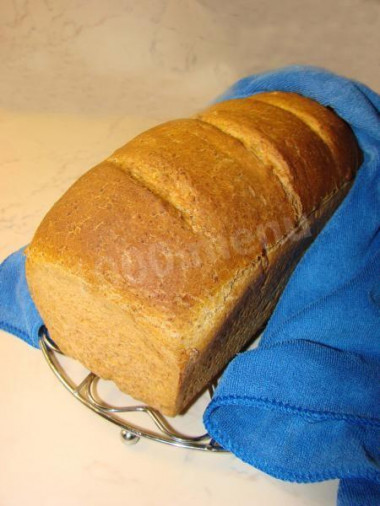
<point>18,314</point>
<point>305,405</point>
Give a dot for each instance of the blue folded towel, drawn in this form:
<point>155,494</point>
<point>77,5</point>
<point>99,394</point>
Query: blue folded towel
<point>304,406</point>
<point>18,314</point>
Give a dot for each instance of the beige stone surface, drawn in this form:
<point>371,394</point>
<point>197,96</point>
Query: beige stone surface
<point>78,79</point>
<point>163,58</point>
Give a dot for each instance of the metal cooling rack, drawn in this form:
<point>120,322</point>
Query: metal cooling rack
<point>87,393</point>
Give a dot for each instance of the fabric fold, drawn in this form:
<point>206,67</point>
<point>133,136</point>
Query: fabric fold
<point>300,411</point>
<point>304,405</point>
<point>18,314</point>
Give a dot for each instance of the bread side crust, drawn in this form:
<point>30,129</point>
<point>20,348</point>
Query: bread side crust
<point>105,337</point>
<point>256,302</point>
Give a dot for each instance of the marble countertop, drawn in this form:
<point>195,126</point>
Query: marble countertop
<point>78,80</point>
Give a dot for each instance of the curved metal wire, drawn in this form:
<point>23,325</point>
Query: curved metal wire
<point>86,393</point>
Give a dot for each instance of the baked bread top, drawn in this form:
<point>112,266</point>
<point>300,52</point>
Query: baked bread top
<point>173,225</point>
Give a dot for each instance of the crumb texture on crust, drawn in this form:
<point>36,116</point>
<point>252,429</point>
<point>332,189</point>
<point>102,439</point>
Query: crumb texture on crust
<point>158,264</point>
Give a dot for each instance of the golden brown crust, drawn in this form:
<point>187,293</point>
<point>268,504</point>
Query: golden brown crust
<point>337,135</point>
<point>285,143</point>
<point>166,232</point>
<point>209,176</point>
<point>174,228</point>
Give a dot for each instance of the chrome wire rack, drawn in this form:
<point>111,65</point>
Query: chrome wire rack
<point>87,393</point>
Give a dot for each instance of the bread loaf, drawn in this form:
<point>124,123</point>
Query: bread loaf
<point>159,264</point>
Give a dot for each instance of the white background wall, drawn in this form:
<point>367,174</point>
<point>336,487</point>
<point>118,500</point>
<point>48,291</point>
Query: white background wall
<point>164,58</point>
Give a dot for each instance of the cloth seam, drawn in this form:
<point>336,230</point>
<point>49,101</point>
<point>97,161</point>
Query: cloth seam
<point>284,474</point>
<point>268,403</point>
